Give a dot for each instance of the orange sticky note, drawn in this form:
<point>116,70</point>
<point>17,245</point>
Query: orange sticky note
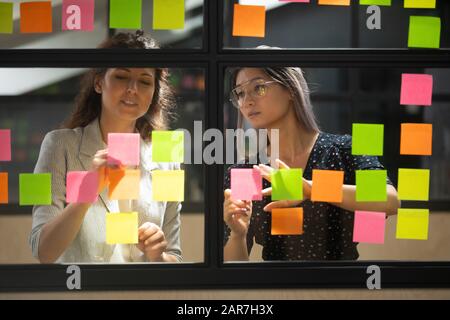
<point>249,21</point>
<point>287,221</point>
<point>3,187</point>
<point>36,17</point>
<point>416,138</point>
<point>327,185</point>
<point>123,184</point>
<point>335,2</point>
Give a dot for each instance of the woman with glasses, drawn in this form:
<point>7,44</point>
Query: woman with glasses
<point>278,98</point>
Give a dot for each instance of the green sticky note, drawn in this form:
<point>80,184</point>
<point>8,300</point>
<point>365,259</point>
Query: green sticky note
<point>375,2</point>
<point>35,189</point>
<point>371,185</point>
<point>420,4</point>
<point>168,14</point>
<point>412,224</point>
<point>413,184</point>
<point>6,17</point>
<point>287,184</point>
<point>424,32</point>
<point>125,14</point>
<point>168,146</point>
<point>367,139</point>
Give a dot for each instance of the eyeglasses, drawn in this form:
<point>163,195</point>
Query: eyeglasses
<point>257,89</point>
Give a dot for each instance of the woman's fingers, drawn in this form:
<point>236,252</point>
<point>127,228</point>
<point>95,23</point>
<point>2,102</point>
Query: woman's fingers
<point>281,164</point>
<point>281,204</point>
<point>267,192</point>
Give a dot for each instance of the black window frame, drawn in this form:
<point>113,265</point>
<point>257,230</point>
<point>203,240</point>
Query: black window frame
<point>213,273</point>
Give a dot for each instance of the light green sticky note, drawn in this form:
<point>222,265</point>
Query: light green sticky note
<point>35,189</point>
<point>375,2</point>
<point>424,32</point>
<point>168,14</point>
<point>6,17</point>
<point>367,139</point>
<point>413,184</point>
<point>125,14</point>
<point>412,224</point>
<point>168,146</point>
<point>287,184</point>
<point>421,4</point>
<point>371,185</point>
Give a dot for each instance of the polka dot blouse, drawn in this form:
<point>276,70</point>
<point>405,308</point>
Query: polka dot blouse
<point>328,230</point>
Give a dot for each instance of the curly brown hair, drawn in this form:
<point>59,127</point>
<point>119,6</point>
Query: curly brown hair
<point>88,101</point>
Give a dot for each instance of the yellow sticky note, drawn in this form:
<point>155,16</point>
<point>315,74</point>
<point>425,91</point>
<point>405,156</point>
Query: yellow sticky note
<point>168,185</point>
<point>122,228</point>
<point>123,184</point>
<point>335,2</point>
<point>421,4</point>
<point>412,224</point>
<point>413,184</point>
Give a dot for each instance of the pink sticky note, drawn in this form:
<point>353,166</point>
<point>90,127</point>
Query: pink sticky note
<point>246,184</point>
<point>304,1</point>
<point>124,149</point>
<point>369,227</point>
<point>82,187</point>
<point>5,145</point>
<point>417,89</point>
<point>78,15</point>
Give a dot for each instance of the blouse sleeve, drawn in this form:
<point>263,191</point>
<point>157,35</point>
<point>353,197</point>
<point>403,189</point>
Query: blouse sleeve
<point>51,160</point>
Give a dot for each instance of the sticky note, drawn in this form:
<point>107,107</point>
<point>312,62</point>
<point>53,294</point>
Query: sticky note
<point>36,17</point>
<point>35,189</point>
<point>124,149</point>
<point>287,221</point>
<point>412,224</point>
<point>302,1</point>
<point>122,228</point>
<point>82,186</point>
<point>6,17</point>
<point>246,184</point>
<point>376,2</point>
<point>125,14</point>
<point>168,14</point>
<point>369,227</point>
<point>249,21</point>
<point>367,139</point>
<point>334,2</point>
<point>416,89</point>
<point>162,179</point>
<point>78,15</point>
<point>327,185</point>
<point>421,4</point>
<point>371,185</point>
<point>123,184</point>
<point>416,138</point>
<point>168,146</point>
<point>424,32</point>
<point>5,145</point>
<point>413,184</point>
<point>3,187</point>
<point>287,184</point>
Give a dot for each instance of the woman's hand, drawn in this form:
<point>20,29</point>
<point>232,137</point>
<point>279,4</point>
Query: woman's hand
<point>236,214</point>
<point>152,241</point>
<point>99,164</point>
<point>266,171</point>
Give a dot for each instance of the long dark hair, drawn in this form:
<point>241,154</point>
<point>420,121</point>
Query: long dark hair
<point>88,102</point>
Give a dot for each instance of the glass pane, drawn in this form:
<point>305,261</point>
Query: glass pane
<point>328,229</point>
<point>188,37</point>
<point>36,101</point>
<point>298,25</point>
